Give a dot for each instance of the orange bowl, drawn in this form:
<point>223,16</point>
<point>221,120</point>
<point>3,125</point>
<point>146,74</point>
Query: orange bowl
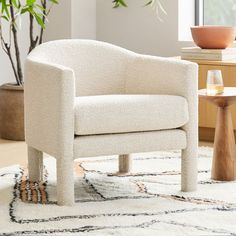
<point>213,37</point>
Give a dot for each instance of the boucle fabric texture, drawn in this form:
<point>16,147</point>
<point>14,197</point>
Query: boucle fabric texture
<point>57,72</point>
<point>127,143</point>
<point>99,68</point>
<point>108,114</point>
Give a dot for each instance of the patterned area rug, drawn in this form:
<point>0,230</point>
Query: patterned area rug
<point>146,202</point>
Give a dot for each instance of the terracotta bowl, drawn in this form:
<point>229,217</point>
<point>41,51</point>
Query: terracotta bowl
<point>213,37</point>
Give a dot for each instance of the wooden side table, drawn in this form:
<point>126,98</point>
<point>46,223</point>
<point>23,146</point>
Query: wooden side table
<point>224,157</point>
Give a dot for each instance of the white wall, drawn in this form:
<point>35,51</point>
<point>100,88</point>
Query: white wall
<point>83,19</point>
<point>59,21</point>
<point>72,19</point>
<point>138,29</point>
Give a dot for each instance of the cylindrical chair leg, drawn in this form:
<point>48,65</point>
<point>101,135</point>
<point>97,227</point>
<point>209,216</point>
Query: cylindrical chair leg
<point>65,182</point>
<point>189,170</point>
<point>35,164</point>
<point>125,163</point>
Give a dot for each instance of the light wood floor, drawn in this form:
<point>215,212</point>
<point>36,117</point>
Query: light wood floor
<point>12,152</point>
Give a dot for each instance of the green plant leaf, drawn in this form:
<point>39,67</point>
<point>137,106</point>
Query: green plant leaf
<point>118,3</point>
<point>5,8</point>
<point>40,7</point>
<point>5,17</point>
<point>15,3</point>
<point>24,10</point>
<point>30,2</point>
<point>39,20</point>
<point>148,3</point>
<point>54,1</point>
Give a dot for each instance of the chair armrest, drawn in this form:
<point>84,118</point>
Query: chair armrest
<point>158,75</point>
<point>49,108</point>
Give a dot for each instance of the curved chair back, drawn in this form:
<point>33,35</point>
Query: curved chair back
<point>99,67</point>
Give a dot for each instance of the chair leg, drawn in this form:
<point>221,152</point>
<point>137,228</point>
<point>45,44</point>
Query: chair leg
<point>189,170</point>
<point>65,182</point>
<point>35,164</point>
<point>125,164</point>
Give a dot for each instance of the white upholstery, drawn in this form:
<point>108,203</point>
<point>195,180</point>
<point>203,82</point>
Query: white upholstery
<point>106,114</point>
<point>114,144</point>
<point>99,68</point>
<point>58,72</point>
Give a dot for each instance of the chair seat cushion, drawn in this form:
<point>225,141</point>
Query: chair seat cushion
<point>105,114</point>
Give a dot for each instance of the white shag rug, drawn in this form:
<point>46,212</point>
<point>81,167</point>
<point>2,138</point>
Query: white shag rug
<point>147,202</point>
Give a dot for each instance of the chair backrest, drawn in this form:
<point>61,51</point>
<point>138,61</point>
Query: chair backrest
<point>99,67</point>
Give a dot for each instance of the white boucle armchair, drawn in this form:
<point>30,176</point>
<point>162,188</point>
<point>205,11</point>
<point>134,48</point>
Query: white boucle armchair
<point>87,98</point>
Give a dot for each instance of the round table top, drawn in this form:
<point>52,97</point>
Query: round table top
<point>228,92</point>
<point>228,97</point>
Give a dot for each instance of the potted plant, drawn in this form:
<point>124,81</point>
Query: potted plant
<point>12,94</point>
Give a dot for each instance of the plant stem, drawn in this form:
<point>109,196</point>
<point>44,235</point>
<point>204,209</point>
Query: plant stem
<point>7,49</point>
<point>44,5</point>
<point>13,65</point>
<point>33,42</point>
<point>15,39</point>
